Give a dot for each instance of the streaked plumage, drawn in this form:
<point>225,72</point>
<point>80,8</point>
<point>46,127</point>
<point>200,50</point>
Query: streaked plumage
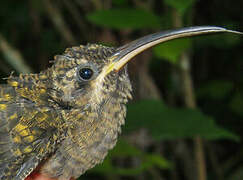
<point>66,118</point>
<point>59,120</point>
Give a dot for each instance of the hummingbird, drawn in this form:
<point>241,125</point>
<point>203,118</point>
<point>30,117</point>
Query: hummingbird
<point>64,120</point>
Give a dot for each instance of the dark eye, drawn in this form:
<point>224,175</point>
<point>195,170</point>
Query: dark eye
<point>86,73</point>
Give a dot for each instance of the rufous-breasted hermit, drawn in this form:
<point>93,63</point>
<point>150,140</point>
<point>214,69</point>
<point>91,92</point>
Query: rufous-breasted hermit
<point>64,120</point>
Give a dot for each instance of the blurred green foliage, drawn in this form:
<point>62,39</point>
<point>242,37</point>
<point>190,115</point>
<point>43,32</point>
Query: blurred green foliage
<point>181,6</point>
<point>216,70</point>
<point>216,89</point>
<point>236,104</point>
<point>124,19</point>
<point>125,150</point>
<point>165,123</point>
<point>171,51</point>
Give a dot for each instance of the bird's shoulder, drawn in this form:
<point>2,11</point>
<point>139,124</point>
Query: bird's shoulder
<point>29,132</point>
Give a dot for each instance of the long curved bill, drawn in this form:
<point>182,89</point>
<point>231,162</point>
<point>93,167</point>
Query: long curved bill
<point>127,52</point>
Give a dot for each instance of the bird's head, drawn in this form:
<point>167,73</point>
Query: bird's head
<point>84,76</point>
<point>91,75</point>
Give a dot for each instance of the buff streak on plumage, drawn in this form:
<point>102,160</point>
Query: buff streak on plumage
<point>65,119</point>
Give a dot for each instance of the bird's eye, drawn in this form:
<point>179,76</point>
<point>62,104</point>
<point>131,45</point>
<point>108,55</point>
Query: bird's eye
<point>86,73</point>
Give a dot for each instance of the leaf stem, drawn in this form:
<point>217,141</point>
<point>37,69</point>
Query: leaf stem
<point>190,102</point>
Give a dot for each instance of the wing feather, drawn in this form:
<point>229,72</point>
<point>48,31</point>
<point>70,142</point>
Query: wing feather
<point>28,134</point>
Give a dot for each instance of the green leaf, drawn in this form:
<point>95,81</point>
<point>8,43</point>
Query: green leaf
<point>172,50</point>
<point>124,149</point>
<point>104,168</point>
<point>223,42</point>
<point>236,104</point>
<point>124,19</point>
<point>158,160</point>
<point>171,123</point>
<point>180,5</point>
<point>216,89</point>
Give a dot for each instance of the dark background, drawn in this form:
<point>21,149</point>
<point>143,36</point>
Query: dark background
<point>185,122</point>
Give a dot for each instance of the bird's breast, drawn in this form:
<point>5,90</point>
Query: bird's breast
<point>89,143</point>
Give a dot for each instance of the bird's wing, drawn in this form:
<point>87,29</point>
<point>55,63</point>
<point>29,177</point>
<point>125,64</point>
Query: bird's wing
<point>28,134</point>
